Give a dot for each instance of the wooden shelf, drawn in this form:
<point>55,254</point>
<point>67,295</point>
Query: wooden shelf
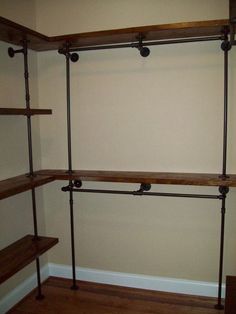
<point>203,179</point>
<point>21,253</point>
<point>24,112</point>
<point>14,33</point>
<point>21,183</point>
<point>152,32</point>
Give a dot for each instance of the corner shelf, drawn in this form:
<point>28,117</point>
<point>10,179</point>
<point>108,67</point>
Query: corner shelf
<point>24,112</point>
<point>21,253</point>
<point>22,183</point>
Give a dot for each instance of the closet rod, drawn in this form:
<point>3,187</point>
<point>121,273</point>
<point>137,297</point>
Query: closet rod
<point>148,43</point>
<point>142,193</point>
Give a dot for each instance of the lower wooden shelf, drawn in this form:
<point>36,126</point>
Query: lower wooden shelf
<point>21,253</point>
<point>23,111</point>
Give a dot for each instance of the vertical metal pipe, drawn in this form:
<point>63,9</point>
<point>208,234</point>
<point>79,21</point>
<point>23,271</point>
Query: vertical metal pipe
<point>223,190</point>
<point>39,295</point>
<point>221,261</point>
<point>27,102</point>
<point>74,285</point>
<point>34,214</point>
<point>68,110</point>
<point>67,54</point>
<point>225,46</point>
<point>31,167</point>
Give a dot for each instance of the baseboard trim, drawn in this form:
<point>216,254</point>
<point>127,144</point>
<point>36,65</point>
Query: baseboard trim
<point>200,288</point>
<point>22,290</point>
<point>184,286</point>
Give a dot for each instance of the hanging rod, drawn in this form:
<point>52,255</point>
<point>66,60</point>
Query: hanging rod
<point>142,193</point>
<point>149,43</point>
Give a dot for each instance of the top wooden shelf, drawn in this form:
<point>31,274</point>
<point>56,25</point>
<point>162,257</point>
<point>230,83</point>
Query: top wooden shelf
<point>14,33</point>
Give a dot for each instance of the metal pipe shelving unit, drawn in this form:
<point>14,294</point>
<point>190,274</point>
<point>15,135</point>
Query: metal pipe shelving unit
<point>139,38</point>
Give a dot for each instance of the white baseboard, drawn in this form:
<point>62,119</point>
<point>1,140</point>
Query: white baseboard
<point>184,286</point>
<point>200,288</point>
<point>22,290</point>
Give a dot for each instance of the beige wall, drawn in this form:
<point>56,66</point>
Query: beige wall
<point>56,17</point>
<point>22,12</point>
<point>15,212</point>
<point>163,113</point>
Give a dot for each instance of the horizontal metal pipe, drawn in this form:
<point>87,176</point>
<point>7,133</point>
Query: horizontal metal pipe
<point>148,43</point>
<point>137,193</point>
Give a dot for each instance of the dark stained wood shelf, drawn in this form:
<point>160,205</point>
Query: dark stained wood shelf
<point>203,179</point>
<point>14,33</point>
<point>24,112</point>
<point>152,32</point>
<point>22,183</point>
<point>21,253</point>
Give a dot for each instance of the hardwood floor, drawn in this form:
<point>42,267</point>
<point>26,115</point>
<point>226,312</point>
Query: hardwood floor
<point>94,298</point>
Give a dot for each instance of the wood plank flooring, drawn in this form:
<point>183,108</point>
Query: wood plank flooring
<point>94,298</point>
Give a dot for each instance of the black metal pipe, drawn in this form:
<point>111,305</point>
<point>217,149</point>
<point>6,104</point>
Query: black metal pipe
<point>39,295</point>
<point>34,213</point>
<point>223,191</point>
<point>222,231</point>
<point>224,165</point>
<point>27,103</point>
<point>148,43</point>
<point>74,285</point>
<point>31,166</point>
<point>225,47</point>
<point>68,109</point>
<point>138,193</point>
<point>67,55</point>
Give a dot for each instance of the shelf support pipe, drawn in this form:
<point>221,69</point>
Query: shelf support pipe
<point>223,190</point>
<point>39,296</point>
<point>11,53</point>
<point>73,57</point>
<point>225,46</point>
